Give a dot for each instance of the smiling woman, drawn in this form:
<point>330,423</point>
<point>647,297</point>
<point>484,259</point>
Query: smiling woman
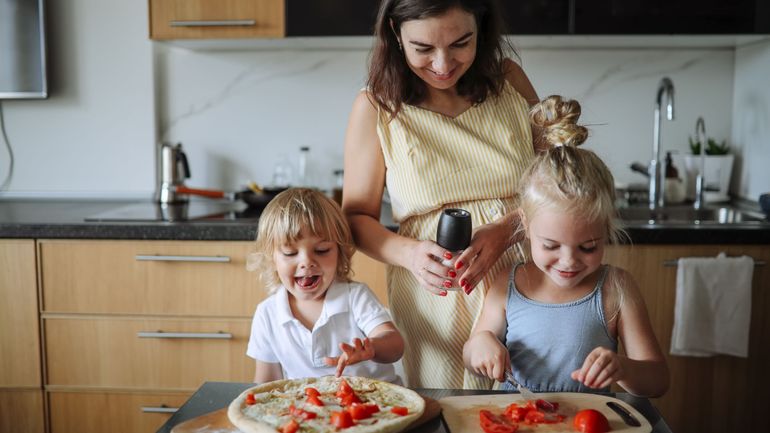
<point>442,123</point>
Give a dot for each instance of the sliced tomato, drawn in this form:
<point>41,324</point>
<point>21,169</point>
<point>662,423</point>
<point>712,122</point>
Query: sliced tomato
<point>341,419</point>
<point>344,388</point>
<point>399,410</point>
<point>310,391</point>
<point>543,405</point>
<point>302,413</point>
<point>362,411</point>
<point>492,423</point>
<point>591,421</point>
<point>534,417</point>
<point>250,400</point>
<point>290,427</point>
<point>515,412</point>
<point>348,399</point>
<point>314,400</point>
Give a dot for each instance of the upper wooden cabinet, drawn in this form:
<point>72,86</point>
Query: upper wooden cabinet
<point>216,19</point>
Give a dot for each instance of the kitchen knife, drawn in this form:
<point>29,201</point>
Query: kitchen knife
<point>526,393</point>
<point>627,416</point>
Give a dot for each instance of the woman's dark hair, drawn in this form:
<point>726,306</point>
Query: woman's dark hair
<point>390,80</point>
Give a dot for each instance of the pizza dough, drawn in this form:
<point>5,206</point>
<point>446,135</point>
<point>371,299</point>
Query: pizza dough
<point>272,401</point>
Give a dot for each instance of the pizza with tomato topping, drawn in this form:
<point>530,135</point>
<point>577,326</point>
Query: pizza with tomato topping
<point>326,404</point>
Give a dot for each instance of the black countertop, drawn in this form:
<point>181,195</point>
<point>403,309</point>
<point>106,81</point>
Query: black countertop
<point>213,220</point>
<point>213,396</point>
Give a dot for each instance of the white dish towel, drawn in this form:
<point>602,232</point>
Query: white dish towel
<point>713,306</point>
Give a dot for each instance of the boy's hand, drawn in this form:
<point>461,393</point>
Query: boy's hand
<point>601,368</point>
<point>488,357</point>
<point>360,351</point>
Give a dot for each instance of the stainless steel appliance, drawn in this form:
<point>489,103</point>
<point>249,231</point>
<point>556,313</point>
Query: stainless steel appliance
<point>22,50</point>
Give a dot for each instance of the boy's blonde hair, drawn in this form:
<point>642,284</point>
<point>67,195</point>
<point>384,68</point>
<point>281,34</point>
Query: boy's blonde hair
<point>282,222</point>
<point>564,177</point>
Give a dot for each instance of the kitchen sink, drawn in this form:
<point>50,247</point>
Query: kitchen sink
<point>687,215</point>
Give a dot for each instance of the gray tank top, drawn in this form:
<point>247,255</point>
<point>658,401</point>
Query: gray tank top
<point>547,342</point>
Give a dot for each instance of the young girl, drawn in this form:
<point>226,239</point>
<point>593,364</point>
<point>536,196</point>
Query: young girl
<point>316,321</point>
<point>562,313</point>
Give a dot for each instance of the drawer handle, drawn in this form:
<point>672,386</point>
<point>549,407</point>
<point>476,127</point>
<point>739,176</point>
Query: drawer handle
<point>205,335</point>
<point>159,409</point>
<point>161,258</point>
<point>213,23</point>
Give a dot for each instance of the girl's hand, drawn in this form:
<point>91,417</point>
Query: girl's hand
<point>486,356</point>
<point>360,351</point>
<point>489,242</point>
<point>601,368</point>
<point>427,269</point>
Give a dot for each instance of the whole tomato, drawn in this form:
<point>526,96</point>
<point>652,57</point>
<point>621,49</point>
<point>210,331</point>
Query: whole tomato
<point>591,421</point>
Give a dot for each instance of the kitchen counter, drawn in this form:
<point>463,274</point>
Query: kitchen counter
<point>212,396</point>
<point>212,220</point>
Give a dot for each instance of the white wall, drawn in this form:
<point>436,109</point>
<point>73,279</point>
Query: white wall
<point>237,112</point>
<point>751,124</point>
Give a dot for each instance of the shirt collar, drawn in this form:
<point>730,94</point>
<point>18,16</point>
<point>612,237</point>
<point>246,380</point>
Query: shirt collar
<point>335,302</point>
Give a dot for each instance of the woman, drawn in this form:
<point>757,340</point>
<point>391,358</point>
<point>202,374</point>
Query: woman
<point>443,123</point>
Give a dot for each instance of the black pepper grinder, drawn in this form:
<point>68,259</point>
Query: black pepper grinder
<point>454,233</point>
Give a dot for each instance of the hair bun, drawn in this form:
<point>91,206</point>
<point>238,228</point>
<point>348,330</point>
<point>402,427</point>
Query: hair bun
<point>558,118</point>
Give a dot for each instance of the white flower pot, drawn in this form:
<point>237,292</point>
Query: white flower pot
<point>719,168</point>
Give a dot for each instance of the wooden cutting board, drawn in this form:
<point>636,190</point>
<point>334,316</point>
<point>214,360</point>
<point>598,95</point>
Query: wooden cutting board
<point>218,422</point>
<point>461,413</point>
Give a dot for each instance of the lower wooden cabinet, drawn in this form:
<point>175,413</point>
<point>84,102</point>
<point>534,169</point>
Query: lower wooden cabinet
<point>114,412</point>
<point>21,411</point>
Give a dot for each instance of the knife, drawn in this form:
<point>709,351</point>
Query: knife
<point>627,416</point>
<point>526,393</point>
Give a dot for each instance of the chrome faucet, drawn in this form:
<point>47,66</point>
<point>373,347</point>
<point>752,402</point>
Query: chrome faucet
<point>665,88</point>
<point>700,180</point>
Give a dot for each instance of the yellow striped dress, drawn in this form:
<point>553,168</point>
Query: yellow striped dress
<point>433,161</point>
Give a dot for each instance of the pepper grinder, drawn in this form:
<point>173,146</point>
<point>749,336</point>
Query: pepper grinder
<point>454,232</point>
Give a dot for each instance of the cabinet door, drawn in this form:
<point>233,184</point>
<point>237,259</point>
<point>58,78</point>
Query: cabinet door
<point>216,19</point>
<point>149,277</point>
<point>87,412</point>
<point>671,16</point>
<point>19,329</point>
<point>146,354</point>
<point>372,273</point>
<point>331,17</point>
<point>535,17</point>
<point>21,411</point>
<point>717,394</point>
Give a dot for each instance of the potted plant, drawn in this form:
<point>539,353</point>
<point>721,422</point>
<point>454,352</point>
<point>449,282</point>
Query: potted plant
<point>719,166</point>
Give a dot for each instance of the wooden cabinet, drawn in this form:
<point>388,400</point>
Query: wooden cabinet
<point>21,402</point>
<point>716,394</point>
<point>216,19</point>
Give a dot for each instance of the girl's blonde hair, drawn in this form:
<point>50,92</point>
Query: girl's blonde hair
<point>282,222</point>
<point>565,177</point>
<point>571,180</point>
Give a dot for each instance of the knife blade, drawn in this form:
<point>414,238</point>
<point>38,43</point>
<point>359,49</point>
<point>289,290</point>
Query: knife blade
<point>526,393</point>
<point>627,416</point>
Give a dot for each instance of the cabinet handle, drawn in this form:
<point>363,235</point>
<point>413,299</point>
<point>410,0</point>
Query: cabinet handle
<point>161,258</point>
<point>213,23</point>
<point>159,409</point>
<point>205,335</point>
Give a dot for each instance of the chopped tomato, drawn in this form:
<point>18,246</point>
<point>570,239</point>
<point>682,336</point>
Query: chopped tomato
<point>362,411</point>
<point>515,412</point>
<point>290,427</point>
<point>591,421</point>
<point>305,414</point>
<point>313,399</point>
<point>250,399</point>
<point>399,410</point>
<point>534,417</point>
<point>310,391</point>
<point>341,419</point>
<point>543,405</point>
<point>344,389</point>
<point>348,399</point>
<point>492,423</point>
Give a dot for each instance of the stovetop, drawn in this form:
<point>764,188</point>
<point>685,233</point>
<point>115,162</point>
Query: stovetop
<point>194,211</point>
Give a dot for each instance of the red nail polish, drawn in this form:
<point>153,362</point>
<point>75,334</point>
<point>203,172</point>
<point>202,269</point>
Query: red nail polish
<point>448,255</point>
<point>459,264</point>
<point>452,273</point>
<point>447,284</point>
<point>443,293</point>
<point>467,292</point>
<point>463,283</point>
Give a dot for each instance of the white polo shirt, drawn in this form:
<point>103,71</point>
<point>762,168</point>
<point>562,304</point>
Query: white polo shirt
<point>350,311</point>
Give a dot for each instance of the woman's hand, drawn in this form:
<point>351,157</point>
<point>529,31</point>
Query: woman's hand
<point>428,270</point>
<point>489,242</point>
<point>484,355</point>
<point>359,351</point>
<point>601,368</point>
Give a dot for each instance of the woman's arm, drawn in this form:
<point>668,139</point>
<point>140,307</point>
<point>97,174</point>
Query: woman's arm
<point>267,372</point>
<point>364,182</point>
<point>519,80</point>
<point>483,353</point>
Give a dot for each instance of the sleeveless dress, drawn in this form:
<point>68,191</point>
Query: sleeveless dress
<point>547,342</point>
<point>472,161</point>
